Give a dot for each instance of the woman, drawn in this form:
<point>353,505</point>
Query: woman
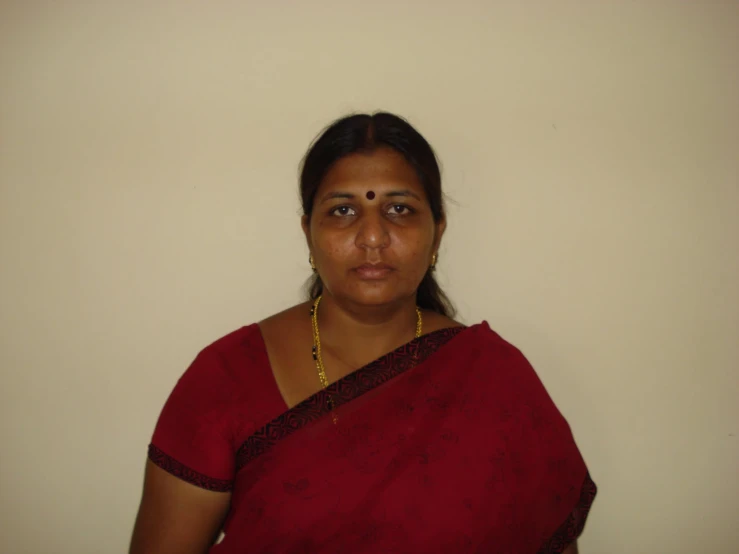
<point>366,419</point>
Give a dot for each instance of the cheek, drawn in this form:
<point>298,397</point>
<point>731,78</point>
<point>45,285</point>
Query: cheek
<point>334,245</point>
<point>414,251</point>
<point>412,243</point>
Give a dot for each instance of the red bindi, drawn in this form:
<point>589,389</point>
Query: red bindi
<point>370,195</point>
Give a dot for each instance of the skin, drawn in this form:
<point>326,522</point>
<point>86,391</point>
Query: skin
<point>359,319</point>
<point>176,517</point>
<point>347,229</point>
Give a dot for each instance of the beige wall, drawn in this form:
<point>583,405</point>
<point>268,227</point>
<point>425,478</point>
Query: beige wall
<point>148,205</point>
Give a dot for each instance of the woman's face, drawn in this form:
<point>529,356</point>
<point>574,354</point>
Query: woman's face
<point>371,232</point>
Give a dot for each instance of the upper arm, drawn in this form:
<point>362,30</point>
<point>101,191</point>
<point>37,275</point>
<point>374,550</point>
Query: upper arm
<point>175,516</point>
<point>571,549</point>
<point>190,470</point>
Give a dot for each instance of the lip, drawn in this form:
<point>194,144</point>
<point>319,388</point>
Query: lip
<point>373,272</point>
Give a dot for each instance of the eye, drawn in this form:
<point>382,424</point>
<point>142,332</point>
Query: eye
<point>400,209</point>
<point>342,211</point>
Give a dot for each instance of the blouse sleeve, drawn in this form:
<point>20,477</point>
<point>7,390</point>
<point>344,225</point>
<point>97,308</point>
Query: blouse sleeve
<point>192,438</point>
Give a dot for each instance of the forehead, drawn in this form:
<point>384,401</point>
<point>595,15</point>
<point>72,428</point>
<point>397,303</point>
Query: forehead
<point>378,169</point>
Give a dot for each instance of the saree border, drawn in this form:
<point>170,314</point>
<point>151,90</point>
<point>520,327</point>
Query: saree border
<point>572,528</point>
<point>342,391</point>
<point>187,474</point>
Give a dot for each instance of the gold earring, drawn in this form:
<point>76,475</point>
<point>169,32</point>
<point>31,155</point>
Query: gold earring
<point>312,263</point>
<point>433,261</point>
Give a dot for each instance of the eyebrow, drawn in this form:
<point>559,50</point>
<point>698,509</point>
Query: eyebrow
<point>391,194</point>
<point>332,195</point>
<point>404,192</point>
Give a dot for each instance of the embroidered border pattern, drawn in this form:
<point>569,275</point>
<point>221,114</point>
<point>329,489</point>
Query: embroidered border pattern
<point>180,470</point>
<point>571,529</point>
<point>350,387</point>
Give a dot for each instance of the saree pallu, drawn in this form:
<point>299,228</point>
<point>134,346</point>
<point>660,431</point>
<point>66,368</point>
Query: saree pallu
<point>448,444</point>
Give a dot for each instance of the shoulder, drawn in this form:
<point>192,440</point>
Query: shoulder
<point>290,323</point>
<point>232,352</point>
<point>433,321</point>
<point>228,385</point>
<point>482,334</point>
<point>232,364</point>
<point>482,347</point>
<point>504,362</point>
<point>286,320</point>
<point>233,341</point>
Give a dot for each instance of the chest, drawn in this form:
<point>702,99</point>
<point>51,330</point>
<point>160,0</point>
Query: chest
<point>422,484</point>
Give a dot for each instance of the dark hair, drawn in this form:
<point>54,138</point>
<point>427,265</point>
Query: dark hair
<point>366,133</point>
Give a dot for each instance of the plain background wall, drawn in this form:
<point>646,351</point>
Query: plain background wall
<point>148,163</point>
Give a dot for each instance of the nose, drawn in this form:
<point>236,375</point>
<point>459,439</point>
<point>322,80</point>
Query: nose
<point>373,233</point>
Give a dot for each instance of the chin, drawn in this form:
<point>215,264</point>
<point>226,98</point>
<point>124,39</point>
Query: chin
<point>374,294</point>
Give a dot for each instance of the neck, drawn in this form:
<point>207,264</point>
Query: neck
<point>366,332</point>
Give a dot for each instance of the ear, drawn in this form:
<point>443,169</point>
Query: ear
<point>305,224</point>
<point>440,228</point>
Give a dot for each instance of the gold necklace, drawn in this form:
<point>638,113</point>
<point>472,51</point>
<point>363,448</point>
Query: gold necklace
<point>317,341</point>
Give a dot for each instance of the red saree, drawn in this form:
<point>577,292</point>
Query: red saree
<point>448,444</point>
